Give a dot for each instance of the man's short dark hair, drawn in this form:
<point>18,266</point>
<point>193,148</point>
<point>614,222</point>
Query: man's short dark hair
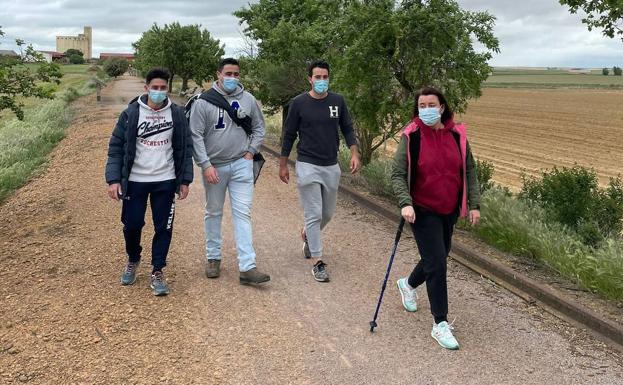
<point>157,73</point>
<point>226,61</point>
<point>317,64</point>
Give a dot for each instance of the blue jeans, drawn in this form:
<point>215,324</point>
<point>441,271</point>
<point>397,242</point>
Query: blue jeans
<point>237,177</point>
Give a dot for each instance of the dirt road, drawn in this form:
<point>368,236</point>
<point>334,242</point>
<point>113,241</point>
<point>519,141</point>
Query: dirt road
<point>65,318</point>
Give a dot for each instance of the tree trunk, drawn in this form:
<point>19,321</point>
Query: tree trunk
<point>184,84</point>
<point>171,83</point>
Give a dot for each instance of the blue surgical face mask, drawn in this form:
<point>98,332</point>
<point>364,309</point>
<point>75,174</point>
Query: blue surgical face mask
<point>157,96</point>
<point>429,115</point>
<point>230,84</point>
<point>321,86</point>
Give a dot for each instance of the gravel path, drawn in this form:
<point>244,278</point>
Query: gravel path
<point>65,319</point>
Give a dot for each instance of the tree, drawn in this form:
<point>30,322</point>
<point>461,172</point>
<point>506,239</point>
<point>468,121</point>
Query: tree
<point>617,71</point>
<point>605,71</point>
<point>186,51</point>
<point>288,35</point>
<point>604,14</point>
<point>73,51</point>
<point>20,81</point>
<point>116,66</point>
<point>378,68</point>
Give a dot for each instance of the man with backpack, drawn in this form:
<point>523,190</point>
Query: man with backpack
<point>227,130</point>
<point>149,156</point>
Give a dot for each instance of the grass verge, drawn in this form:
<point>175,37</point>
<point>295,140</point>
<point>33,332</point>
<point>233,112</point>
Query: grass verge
<point>24,145</point>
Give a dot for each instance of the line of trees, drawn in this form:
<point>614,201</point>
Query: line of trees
<point>617,71</point>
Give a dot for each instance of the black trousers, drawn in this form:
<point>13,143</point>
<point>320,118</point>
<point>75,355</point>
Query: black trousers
<point>162,200</point>
<point>433,235</point>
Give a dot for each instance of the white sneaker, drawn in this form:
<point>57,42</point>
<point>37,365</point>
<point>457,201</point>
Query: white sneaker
<point>442,333</point>
<point>409,296</point>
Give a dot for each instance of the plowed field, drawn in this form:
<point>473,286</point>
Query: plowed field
<point>528,130</point>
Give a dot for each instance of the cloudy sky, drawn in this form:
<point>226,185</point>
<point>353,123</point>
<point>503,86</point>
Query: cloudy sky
<point>531,32</point>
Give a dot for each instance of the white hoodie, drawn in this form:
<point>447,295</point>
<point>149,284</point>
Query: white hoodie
<point>154,151</point>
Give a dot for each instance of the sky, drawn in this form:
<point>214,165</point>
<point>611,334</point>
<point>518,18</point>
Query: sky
<point>536,33</point>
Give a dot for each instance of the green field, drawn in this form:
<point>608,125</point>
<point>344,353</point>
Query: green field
<point>526,78</point>
<point>24,145</point>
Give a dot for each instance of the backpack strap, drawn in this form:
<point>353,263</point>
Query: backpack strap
<point>213,97</point>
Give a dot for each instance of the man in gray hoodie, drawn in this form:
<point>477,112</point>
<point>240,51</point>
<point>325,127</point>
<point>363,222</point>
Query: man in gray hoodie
<point>224,151</point>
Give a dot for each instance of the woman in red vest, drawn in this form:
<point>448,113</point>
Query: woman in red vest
<point>434,177</point>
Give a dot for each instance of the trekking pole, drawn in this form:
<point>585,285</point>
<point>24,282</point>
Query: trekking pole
<point>389,268</point>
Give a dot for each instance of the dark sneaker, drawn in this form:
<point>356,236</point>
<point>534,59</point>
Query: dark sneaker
<point>129,273</point>
<point>253,276</point>
<point>159,284</point>
<point>320,272</point>
<point>213,268</point>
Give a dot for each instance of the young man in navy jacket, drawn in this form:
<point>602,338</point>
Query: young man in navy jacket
<point>149,156</point>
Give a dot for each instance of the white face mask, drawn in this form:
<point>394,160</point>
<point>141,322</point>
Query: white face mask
<point>429,115</point>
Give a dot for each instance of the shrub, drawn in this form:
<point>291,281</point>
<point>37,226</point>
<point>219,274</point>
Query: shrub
<point>116,66</point>
<point>485,171</point>
<point>76,59</point>
<point>617,71</point>
<point>605,71</point>
<point>572,197</point>
<point>377,174</point>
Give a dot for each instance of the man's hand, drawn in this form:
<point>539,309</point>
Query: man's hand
<point>248,155</point>
<point>355,162</point>
<point>408,214</point>
<point>284,173</point>
<point>211,175</point>
<point>114,191</point>
<point>183,192</point>
<point>474,217</point>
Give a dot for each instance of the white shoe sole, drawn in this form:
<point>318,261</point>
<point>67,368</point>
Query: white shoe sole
<point>445,347</point>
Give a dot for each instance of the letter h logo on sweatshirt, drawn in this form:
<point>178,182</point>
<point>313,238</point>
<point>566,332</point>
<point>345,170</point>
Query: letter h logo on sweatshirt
<point>334,112</point>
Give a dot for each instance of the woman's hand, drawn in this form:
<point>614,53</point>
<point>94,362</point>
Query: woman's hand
<point>408,214</point>
<point>474,217</point>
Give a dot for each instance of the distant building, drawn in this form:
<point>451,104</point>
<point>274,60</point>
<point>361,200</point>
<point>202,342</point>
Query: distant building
<point>8,52</point>
<point>586,71</point>
<point>82,42</point>
<point>107,55</point>
<point>51,56</point>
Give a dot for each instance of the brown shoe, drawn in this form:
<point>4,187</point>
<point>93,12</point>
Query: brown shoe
<point>253,277</point>
<point>213,268</point>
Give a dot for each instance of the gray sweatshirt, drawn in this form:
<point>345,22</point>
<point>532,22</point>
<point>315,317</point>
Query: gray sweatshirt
<point>217,140</point>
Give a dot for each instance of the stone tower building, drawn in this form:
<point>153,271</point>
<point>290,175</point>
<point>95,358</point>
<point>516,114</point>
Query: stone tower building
<point>83,42</point>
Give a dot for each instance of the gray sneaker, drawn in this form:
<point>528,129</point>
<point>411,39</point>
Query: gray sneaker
<point>159,284</point>
<point>213,268</point>
<point>129,273</point>
<point>253,276</point>
<point>319,272</point>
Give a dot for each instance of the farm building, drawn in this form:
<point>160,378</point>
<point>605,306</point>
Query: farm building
<point>107,55</point>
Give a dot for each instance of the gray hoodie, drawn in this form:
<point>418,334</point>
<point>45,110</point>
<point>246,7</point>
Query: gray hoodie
<point>217,140</point>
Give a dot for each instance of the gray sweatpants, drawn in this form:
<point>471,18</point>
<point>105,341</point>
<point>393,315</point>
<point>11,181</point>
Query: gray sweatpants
<point>317,187</point>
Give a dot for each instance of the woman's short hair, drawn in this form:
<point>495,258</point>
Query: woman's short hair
<point>447,111</point>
